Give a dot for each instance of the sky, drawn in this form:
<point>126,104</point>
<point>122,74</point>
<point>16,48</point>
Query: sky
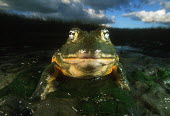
<point>112,13</point>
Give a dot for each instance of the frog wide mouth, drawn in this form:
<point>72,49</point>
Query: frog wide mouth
<point>89,57</point>
<point>83,54</point>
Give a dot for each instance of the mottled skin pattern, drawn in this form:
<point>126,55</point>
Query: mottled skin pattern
<point>85,55</point>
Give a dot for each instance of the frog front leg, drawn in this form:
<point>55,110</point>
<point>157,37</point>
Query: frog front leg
<point>119,76</point>
<point>47,82</point>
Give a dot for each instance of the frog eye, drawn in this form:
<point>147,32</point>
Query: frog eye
<point>73,34</point>
<point>105,34</point>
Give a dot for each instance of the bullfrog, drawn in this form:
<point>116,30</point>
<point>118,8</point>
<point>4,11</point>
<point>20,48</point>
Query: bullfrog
<point>85,55</point>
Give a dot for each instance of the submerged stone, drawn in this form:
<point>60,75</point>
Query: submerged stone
<point>56,107</point>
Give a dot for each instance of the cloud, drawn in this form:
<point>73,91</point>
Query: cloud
<point>3,4</point>
<point>159,16</point>
<point>106,4</point>
<point>44,6</point>
<point>165,5</point>
<point>151,2</point>
<point>83,10</point>
<point>85,16</point>
<point>60,9</point>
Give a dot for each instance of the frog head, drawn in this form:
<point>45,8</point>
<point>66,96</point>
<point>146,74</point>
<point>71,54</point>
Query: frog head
<point>86,52</point>
<point>83,44</point>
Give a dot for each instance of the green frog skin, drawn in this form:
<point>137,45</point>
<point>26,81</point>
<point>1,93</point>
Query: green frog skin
<point>85,55</point>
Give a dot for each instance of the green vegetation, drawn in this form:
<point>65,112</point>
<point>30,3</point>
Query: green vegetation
<point>164,74</point>
<point>151,80</point>
<point>160,75</point>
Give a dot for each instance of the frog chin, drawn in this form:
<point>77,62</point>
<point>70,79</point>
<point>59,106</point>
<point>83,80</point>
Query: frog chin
<point>90,65</point>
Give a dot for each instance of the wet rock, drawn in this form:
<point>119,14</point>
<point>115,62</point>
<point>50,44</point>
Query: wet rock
<point>140,88</point>
<point>6,79</point>
<point>15,106</point>
<point>166,85</point>
<point>151,92</point>
<point>136,61</point>
<point>56,107</point>
<point>157,101</point>
<point>8,72</point>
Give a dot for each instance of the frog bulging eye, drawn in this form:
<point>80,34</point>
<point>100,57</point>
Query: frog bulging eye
<point>73,34</point>
<point>105,34</point>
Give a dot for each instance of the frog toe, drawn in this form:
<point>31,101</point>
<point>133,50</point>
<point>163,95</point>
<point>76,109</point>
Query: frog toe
<point>37,93</point>
<point>48,89</point>
<point>125,86</point>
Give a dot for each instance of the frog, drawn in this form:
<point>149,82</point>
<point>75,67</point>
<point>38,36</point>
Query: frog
<point>85,55</point>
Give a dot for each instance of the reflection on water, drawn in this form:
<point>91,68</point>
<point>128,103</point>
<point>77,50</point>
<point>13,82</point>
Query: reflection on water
<point>21,68</point>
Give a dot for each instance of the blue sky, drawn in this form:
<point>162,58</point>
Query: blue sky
<point>114,13</point>
<point>128,22</point>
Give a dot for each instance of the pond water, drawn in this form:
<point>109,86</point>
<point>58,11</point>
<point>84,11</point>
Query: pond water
<point>21,68</point>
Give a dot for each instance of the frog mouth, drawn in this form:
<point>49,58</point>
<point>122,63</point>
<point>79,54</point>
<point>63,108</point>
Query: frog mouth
<point>83,56</point>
